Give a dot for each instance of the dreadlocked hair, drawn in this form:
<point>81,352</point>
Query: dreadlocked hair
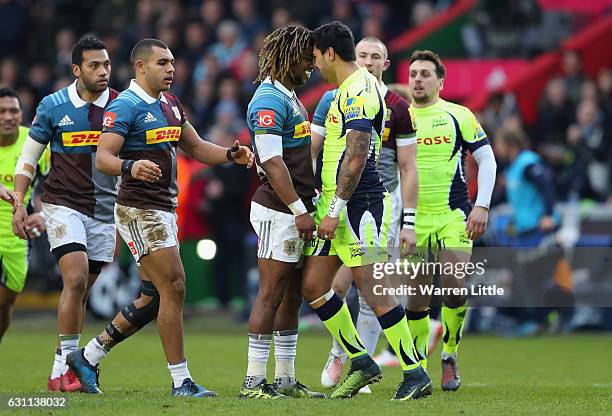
<point>283,48</point>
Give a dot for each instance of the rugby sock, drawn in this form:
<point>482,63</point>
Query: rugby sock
<point>419,323</point>
<point>337,319</point>
<point>56,371</point>
<point>179,373</point>
<point>368,327</point>
<point>336,349</point>
<point>259,349</point>
<point>395,327</point>
<point>68,343</point>
<point>452,325</point>
<point>285,348</point>
<point>94,351</point>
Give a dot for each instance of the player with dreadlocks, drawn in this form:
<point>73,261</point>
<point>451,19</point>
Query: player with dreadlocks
<point>280,210</point>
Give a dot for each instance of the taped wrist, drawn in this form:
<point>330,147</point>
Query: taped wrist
<point>126,167</point>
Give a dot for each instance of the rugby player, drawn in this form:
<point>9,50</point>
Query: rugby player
<point>280,211</point>
<point>397,153</point>
<point>353,216</point>
<point>142,129</point>
<point>77,199</point>
<point>13,250</point>
<point>446,222</point>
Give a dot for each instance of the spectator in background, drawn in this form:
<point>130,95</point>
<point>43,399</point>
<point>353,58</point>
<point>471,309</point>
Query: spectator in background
<point>9,73</point>
<point>211,13</point>
<point>202,106</point>
<point>572,75</point>
<point>64,41</point>
<point>555,114</point>
<point>195,42</point>
<point>229,45</point>
<point>589,141</point>
<point>280,17</point>
<point>181,84</point>
<point>529,191</point>
<point>250,22</point>
<point>498,109</point>
<point>228,185</point>
<point>604,85</point>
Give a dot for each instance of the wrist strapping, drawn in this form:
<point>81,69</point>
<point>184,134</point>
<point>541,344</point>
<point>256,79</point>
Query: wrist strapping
<point>336,206</point>
<point>126,167</point>
<point>298,208</point>
<point>408,218</point>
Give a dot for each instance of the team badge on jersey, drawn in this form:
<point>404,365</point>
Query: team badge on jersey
<point>265,118</point>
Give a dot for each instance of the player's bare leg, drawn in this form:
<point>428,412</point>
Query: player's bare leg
<point>7,300</point>
<point>165,269</point>
<point>74,268</point>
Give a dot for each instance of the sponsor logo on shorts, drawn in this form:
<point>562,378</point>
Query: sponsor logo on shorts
<point>357,249</point>
<point>163,134</point>
<point>109,119</point>
<point>265,118</point>
<point>132,247</point>
<point>302,130</point>
<point>80,138</point>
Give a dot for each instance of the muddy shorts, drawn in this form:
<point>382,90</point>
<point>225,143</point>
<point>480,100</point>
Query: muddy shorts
<point>146,230</point>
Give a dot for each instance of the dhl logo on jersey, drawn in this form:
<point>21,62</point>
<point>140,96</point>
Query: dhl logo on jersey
<point>80,138</point>
<point>302,130</point>
<point>164,134</point>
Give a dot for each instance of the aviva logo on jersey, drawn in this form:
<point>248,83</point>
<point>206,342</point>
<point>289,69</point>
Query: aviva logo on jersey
<point>163,134</point>
<point>302,130</point>
<point>80,138</point>
<point>354,108</point>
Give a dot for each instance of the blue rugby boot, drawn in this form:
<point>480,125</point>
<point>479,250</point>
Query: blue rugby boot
<point>86,373</point>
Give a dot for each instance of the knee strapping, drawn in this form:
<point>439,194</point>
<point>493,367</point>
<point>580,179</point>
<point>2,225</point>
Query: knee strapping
<point>140,317</point>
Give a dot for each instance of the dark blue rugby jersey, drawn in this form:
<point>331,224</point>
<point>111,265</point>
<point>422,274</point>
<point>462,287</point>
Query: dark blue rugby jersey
<point>73,127</point>
<point>151,128</point>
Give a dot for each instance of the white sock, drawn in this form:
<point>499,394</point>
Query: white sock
<point>285,349</point>
<point>259,349</point>
<point>368,326</point>
<point>179,373</point>
<point>94,352</point>
<point>56,371</point>
<point>68,343</point>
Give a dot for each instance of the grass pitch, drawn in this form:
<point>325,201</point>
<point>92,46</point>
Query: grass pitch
<point>564,375</point>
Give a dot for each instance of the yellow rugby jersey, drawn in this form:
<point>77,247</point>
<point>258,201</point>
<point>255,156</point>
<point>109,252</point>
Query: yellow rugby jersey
<point>357,105</point>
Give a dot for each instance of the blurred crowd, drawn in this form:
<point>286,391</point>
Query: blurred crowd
<point>571,133</point>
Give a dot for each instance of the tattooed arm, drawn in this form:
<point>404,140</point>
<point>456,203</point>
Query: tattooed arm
<point>355,157</point>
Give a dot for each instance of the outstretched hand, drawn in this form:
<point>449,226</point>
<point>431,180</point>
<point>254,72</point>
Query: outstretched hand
<point>242,155</point>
